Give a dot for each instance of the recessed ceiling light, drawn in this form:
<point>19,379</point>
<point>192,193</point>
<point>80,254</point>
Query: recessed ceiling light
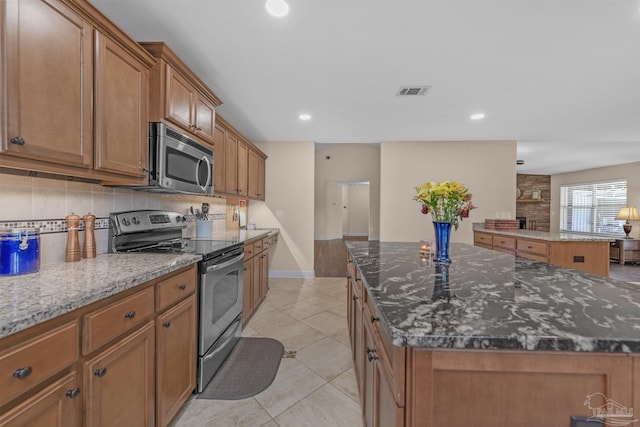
<point>477,116</point>
<point>304,116</point>
<point>277,8</point>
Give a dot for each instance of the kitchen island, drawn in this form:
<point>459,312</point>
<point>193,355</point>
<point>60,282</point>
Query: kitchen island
<point>582,252</point>
<point>490,340</point>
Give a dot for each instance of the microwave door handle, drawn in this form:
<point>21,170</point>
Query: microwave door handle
<point>204,188</point>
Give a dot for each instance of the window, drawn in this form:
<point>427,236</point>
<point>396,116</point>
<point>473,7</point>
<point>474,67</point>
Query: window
<point>592,208</point>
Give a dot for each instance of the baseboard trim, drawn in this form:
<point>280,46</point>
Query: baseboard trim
<point>337,236</point>
<point>290,274</point>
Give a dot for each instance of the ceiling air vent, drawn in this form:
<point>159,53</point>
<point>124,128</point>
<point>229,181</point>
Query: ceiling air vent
<point>413,90</point>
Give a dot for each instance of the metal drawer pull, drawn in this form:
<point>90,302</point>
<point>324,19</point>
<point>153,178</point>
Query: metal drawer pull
<point>166,324</point>
<point>182,287</point>
<point>368,350</point>
<point>130,314</point>
<point>374,319</point>
<point>100,372</point>
<point>22,373</point>
<point>354,297</point>
<point>371,357</point>
<point>18,140</point>
<point>73,393</point>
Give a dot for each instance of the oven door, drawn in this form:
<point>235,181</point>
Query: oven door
<point>181,164</point>
<point>221,284</point>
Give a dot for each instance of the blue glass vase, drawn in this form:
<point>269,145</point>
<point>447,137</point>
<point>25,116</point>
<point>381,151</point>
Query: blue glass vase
<point>443,233</point>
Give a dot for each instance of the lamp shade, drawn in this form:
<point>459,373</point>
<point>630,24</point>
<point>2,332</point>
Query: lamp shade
<point>629,214</point>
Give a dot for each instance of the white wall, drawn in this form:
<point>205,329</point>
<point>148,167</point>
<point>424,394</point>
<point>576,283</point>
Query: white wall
<point>628,171</point>
<point>288,206</point>
<point>358,209</point>
<point>487,168</point>
<point>349,162</point>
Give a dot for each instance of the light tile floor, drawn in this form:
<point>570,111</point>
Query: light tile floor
<point>318,387</point>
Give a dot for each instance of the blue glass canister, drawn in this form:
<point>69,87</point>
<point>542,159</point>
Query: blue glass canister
<point>19,251</point>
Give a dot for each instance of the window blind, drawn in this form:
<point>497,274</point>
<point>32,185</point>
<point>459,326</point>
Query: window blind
<point>592,207</point>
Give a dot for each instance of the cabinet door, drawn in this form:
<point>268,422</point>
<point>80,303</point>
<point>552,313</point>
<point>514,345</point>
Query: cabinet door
<point>261,179</point>
<point>58,405</point>
<point>205,119</point>
<point>257,264</point>
<point>219,138</point>
<point>120,110</point>
<point>369,404</point>
<point>247,291</point>
<point>252,184</point>
<point>48,82</point>
<point>180,100</point>
<point>176,356</point>
<point>387,413</point>
<point>264,274</point>
<point>119,382</point>
<point>242,165</point>
<point>231,164</point>
<point>359,354</point>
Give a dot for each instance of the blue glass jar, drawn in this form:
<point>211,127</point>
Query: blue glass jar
<point>443,234</point>
<point>19,251</point>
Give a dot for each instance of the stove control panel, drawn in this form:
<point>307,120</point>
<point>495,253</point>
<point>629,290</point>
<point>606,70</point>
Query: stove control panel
<point>145,220</point>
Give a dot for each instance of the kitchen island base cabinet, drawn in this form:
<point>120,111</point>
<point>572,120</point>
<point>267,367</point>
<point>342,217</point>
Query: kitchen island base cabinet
<point>457,388</point>
<point>119,382</point>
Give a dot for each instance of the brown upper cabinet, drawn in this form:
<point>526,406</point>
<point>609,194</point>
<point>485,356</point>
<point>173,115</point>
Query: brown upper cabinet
<point>59,57</point>
<point>239,165</point>
<point>179,97</point>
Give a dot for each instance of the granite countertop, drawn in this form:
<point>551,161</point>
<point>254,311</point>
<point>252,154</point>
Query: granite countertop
<point>242,236</point>
<point>491,300</point>
<point>57,289</point>
<point>545,235</point>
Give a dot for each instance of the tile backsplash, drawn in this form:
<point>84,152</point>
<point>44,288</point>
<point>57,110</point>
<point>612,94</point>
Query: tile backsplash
<point>27,201</point>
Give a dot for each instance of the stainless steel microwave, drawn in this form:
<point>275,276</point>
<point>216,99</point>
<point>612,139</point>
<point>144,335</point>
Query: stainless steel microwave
<point>177,163</point>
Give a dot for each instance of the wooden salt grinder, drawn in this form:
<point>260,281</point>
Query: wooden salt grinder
<point>73,243</point>
<point>89,249</point>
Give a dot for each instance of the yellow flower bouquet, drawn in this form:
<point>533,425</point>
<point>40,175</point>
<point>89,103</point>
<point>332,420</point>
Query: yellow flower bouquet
<point>447,201</point>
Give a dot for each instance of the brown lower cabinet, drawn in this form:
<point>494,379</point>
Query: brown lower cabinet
<point>433,387</point>
<point>128,360</point>
<point>256,275</point>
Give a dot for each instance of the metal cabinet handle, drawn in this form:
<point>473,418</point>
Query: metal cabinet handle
<point>182,287</point>
<point>130,314</point>
<point>100,372</point>
<point>22,373</point>
<point>73,393</point>
<point>354,297</point>
<point>372,356</point>
<point>18,140</point>
<point>166,324</point>
<point>374,319</point>
<point>368,350</point>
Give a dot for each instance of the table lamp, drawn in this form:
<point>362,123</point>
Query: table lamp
<point>628,214</point>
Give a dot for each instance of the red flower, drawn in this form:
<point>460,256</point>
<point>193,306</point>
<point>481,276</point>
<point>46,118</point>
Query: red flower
<point>425,209</point>
<point>464,213</point>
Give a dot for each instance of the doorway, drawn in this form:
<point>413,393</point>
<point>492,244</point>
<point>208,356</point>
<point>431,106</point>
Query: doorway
<point>346,217</point>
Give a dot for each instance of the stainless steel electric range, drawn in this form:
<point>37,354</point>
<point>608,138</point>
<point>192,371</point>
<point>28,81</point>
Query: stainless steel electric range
<point>220,277</point>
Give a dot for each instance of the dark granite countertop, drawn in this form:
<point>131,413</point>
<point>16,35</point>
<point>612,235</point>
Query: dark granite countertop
<point>490,300</point>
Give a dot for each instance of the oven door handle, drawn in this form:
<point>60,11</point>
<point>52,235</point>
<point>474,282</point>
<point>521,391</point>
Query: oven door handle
<point>214,266</point>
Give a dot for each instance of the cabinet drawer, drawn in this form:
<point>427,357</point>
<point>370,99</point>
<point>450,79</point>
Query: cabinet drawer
<point>483,239</point>
<point>104,324</point>
<point>257,246</point>
<point>504,243</point>
<point>248,250</point>
<point>533,247</point>
<point>175,288</point>
<point>37,359</point>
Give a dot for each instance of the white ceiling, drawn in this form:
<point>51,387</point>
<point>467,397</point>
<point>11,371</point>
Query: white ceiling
<point>562,77</point>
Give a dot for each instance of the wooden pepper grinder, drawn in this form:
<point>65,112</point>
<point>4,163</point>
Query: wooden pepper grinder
<point>73,242</point>
<point>89,249</point>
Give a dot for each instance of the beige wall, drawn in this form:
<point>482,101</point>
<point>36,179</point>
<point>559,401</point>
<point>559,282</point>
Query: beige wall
<point>349,162</point>
<point>628,171</point>
<point>487,168</point>
<point>289,206</point>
